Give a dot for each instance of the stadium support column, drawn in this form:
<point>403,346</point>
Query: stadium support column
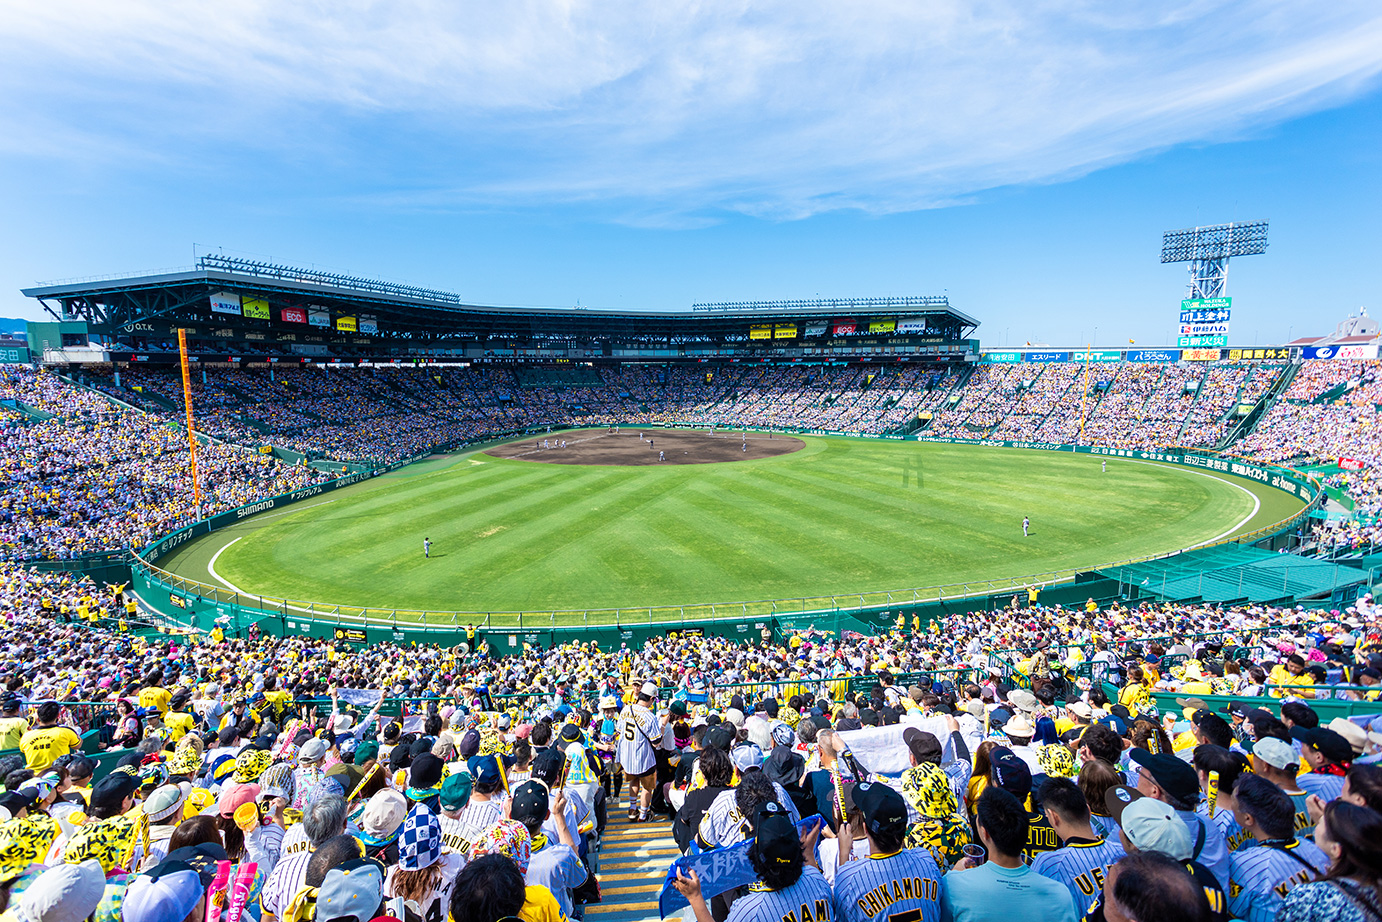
<point>1085,395</point>
<point>187,401</point>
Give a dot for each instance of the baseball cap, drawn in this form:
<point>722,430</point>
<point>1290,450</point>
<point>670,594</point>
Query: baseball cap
<point>719,737</point>
<point>485,769</point>
<point>883,809</point>
<point>775,836</point>
<point>63,893</point>
<point>351,891</point>
<point>1152,825</point>
<point>170,890</point>
<point>530,801</point>
<point>1010,773</point>
<point>1275,752</point>
<point>110,792</point>
<point>746,756</point>
<point>649,690</point>
<point>1170,772</point>
<point>1326,742</point>
<point>163,802</point>
<point>925,746</point>
<point>455,791</point>
<point>312,751</point>
<point>1357,737</point>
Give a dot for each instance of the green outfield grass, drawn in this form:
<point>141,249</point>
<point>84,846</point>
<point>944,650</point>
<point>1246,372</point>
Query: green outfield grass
<point>841,516</point>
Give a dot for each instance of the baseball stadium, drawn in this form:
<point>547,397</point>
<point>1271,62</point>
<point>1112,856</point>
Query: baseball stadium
<point>608,601</point>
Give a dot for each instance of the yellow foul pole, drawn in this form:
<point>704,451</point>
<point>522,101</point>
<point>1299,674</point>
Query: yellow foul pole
<point>187,400</point>
<point>1082,397</point>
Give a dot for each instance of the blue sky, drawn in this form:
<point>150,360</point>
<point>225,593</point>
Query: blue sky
<point>1023,157</point>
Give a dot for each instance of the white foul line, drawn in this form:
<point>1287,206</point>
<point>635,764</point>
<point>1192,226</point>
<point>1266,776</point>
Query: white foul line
<point>1256,503</point>
<point>211,567</point>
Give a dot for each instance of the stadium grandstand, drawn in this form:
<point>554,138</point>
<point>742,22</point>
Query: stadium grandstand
<point>561,772</point>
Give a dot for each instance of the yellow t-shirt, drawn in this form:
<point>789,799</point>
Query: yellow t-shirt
<point>12,729</point>
<point>155,697</point>
<point>45,745</point>
<point>178,724</point>
<point>539,905</point>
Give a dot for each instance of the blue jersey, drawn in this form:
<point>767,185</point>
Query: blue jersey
<point>1211,847</point>
<point>1235,836</point>
<point>881,887</point>
<point>807,900</point>
<point>1260,878</point>
<point>1080,864</point>
<point>1326,787</point>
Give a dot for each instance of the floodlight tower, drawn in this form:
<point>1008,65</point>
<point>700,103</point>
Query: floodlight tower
<point>1208,249</point>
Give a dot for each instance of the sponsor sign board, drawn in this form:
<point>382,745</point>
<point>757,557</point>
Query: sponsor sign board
<point>293,315</point>
<point>1200,355</point>
<point>1205,310</point>
<point>1201,342</point>
<point>1270,354</point>
<point>14,355</point>
<point>223,302</point>
<point>911,326</point>
<point>843,328</point>
<point>815,329</point>
<point>1204,329</point>
<point>1153,355</point>
<point>369,323</point>
<point>319,318</point>
<point>256,308</point>
<point>1000,357</point>
<point>1048,356</point>
<point>1097,355</point>
<point>761,332</point>
<point>1350,464</point>
<point>350,635</point>
<point>345,324</point>
<point>1362,351</point>
<point>882,326</point>
<point>785,331</point>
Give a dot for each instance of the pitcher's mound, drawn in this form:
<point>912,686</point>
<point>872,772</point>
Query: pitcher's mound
<point>637,447</point>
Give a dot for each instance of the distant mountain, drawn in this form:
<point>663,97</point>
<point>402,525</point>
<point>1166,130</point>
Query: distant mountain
<point>15,326</point>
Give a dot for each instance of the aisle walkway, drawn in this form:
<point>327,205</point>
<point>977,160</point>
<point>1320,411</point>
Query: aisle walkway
<point>633,864</point>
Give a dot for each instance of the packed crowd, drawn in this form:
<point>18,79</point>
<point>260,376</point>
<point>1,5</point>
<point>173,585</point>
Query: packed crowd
<point>1328,412</point>
<point>978,772</point>
<point>1121,404</point>
<point>94,478</point>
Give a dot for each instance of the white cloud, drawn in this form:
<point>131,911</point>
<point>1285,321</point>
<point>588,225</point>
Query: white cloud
<point>779,108</point>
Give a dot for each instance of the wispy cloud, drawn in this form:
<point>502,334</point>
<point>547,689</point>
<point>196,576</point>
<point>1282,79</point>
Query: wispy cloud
<point>673,110</point>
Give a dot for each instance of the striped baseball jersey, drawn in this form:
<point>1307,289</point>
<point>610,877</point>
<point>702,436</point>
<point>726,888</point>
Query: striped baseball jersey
<point>1326,787</point>
<point>901,887</point>
<point>1260,878</point>
<point>637,730</point>
<point>1081,865</point>
<point>1235,836</point>
<point>807,900</point>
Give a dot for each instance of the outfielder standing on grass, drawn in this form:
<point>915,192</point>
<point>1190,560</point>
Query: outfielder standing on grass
<point>426,547</point>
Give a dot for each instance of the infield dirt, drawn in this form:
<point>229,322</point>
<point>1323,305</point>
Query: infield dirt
<point>631,447</point>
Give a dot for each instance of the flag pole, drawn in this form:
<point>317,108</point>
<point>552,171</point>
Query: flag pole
<point>187,401</point>
<point>1083,396</point>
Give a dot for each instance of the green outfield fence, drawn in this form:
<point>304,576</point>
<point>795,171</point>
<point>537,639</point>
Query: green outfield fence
<point>181,602</point>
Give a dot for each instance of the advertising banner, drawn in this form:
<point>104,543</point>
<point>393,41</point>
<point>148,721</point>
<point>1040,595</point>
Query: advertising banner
<point>882,326</point>
<point>1097,355</point>
<point>1048,356</point>
<point>1350,464</point>
<point>293,315</point>
<point>995,358</point>
<point>256,308</point>
<point>1201,342</point>
<point>761,332</point>
<point>1204,329</point>
<point>843,328</point>
<point>345,324</point>
<point>369,323</point>
<point>1272,354</point>
<point>815,329</point>
<point>1205,310</point>
<point>911,326</point>
<point>785,331</point>
<point>1368,351</point>
<point>1153,355</point>
<point>15,355</point>
<point>319,319</point>
<point>223,302</point>
<point>1200,355</point>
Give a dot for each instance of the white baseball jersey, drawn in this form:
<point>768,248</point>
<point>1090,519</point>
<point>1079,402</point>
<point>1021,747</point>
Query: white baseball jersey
<point>876,889</point>
<point>807,900</point>
<point>637,730</point>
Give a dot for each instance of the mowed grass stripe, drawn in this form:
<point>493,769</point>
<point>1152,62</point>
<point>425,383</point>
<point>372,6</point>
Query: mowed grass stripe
<point>839,517</point>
